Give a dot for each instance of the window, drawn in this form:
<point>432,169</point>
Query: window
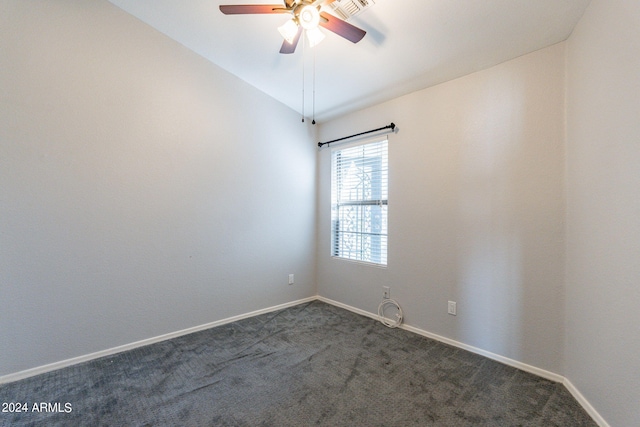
<point>359,181</point>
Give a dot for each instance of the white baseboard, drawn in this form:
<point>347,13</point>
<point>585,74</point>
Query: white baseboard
<point>502,359</point>
<point>347,307</point>
<point>111,351</point>
<point>507,361</point>
<point>585,404</point>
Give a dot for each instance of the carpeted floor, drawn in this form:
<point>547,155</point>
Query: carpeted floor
<point>312,364</point>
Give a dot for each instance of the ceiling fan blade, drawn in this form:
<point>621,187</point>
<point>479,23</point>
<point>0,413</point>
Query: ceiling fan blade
<point>341,28</point>
<point>291,47</point>
<point>242,9</point>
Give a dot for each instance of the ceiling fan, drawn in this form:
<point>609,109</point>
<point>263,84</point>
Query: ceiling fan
<point>306,15</point>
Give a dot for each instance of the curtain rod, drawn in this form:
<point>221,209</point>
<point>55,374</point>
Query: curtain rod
<point>392,126</point>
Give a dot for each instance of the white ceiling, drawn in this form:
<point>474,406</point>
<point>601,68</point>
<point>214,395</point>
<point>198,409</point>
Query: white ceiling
<point>410,45</point>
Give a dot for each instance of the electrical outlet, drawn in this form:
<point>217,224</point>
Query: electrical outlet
<point>386,292</point>
<point>291,279</point>
<point>452,308</point>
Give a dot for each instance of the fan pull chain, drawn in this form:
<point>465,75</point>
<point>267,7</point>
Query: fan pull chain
<point>303,79</point>
<point>313,113</point>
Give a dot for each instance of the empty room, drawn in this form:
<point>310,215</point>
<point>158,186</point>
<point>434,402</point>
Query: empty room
<point>336,213</point>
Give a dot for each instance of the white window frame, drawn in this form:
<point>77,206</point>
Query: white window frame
<point>360,201</point>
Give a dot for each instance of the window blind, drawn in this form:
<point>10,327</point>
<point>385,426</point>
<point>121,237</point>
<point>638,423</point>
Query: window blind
<point>359,205</point>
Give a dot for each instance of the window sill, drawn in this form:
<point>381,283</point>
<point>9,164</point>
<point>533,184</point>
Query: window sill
<point>355,261</point>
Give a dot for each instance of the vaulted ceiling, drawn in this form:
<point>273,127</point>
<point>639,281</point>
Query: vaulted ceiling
<point>409,45</point>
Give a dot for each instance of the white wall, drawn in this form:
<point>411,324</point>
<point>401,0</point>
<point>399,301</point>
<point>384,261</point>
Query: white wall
<point>142,189</point>
<point>475,210</point>
<point>603,210</point>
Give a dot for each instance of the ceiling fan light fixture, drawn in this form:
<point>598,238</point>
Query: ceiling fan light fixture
<point>309,17</point>
<point>289,30</point>
<point>314,36</point>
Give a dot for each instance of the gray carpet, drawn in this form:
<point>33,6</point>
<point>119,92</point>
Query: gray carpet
<point>312,364</point>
